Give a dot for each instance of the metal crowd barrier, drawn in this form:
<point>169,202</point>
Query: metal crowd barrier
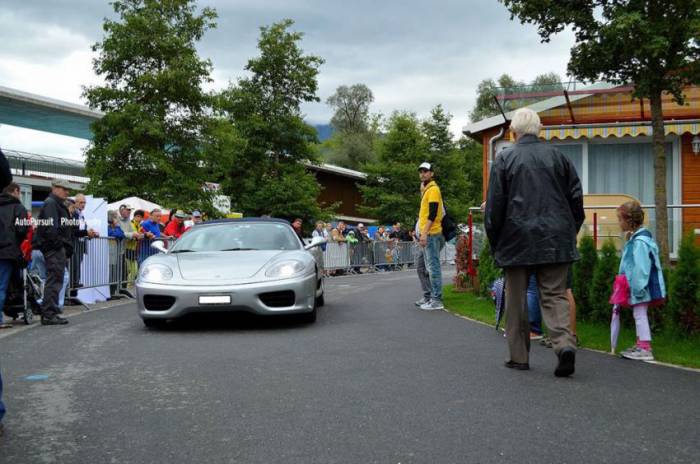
<point>110,266</point>
<point>107,264</point>
<point>377,256</point>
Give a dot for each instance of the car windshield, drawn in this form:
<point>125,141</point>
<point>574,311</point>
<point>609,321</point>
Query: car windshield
<point>238,237</point>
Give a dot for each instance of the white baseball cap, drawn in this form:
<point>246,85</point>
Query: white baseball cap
<point>425,166</point>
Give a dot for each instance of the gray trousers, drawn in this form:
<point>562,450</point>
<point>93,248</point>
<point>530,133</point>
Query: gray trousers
<point>423,274</point>
<point>55,268</point>
<point>551,281</point>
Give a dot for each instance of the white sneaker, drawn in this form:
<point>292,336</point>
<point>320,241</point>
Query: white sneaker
<point>432,305</point>
<point>422,301</point>
<point>638,354</point>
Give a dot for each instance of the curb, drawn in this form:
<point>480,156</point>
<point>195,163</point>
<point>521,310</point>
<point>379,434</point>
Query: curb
<point>70,313</point>
<point>657,363</point>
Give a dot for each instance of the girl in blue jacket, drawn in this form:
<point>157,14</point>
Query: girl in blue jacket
<point>641,266</point>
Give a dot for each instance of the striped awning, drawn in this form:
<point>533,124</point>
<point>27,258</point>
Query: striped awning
<point>604,131</point>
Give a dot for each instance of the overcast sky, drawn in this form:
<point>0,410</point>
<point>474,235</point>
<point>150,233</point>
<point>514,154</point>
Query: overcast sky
<point>412,54</point>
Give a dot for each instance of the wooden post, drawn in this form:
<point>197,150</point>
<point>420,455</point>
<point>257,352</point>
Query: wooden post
<point>595,229</point>
<point>470,266</point>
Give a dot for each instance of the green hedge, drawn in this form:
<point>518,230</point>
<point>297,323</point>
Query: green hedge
<point>487,270</point>
<point>583,274</point>
<point>684,293</point>
<point>606,268</point>
<point>595,273</point>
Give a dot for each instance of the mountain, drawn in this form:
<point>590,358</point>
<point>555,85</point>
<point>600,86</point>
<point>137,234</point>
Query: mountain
<point>324,131</point>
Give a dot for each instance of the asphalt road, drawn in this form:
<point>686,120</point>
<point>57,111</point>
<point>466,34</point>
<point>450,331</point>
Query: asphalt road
<point>374,380</point>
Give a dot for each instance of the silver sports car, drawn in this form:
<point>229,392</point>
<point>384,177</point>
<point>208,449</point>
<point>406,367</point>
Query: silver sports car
<point>254,265</point>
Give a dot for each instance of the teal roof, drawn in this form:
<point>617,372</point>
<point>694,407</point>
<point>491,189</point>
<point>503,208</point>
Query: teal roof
<point>30,111</point>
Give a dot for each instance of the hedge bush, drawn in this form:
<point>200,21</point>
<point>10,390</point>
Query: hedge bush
<point>684,293</point>
<point>598,308</point>
<point>487,271</point>
<point>583,273</point>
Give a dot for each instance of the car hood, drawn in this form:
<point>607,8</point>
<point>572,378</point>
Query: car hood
<point>223,266</point>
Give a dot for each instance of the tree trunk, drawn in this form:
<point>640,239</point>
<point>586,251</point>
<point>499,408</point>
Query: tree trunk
<point>658,140</point>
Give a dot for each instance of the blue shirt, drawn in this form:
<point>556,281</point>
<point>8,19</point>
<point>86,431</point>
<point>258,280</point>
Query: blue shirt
<point>116,232</point>
<point>152,227</point>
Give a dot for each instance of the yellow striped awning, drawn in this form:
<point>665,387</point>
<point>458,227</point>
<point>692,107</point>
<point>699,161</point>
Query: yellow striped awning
<point>604,131</point>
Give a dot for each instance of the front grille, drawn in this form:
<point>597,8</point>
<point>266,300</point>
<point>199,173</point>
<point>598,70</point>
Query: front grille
<point>278,299</point>
<point>158,302</point>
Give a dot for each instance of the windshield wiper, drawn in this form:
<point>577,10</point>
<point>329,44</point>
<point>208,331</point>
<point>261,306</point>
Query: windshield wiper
<point>183,251</point>
<point>240,249</point>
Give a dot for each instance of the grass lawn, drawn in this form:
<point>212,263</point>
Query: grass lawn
<point>668,347</point>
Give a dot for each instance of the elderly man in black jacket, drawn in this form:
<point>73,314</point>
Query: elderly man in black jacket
<point>54,239</point>
<point>534,209</point>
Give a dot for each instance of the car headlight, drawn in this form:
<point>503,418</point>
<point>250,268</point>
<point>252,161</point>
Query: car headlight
<point>156,273</point>
<point>285,269</point>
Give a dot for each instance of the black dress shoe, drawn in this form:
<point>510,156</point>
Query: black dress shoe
<point>518,366</point>
<point>55,320</point>
<point>567,363</point>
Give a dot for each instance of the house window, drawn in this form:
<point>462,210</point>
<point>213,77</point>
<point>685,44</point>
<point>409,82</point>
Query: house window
<point>627,168</point>
<point>611,167</point>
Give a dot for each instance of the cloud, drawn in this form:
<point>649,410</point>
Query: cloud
<point>413,55</point>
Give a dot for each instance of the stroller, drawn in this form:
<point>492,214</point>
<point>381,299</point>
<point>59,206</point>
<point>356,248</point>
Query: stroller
<point>25,290</point>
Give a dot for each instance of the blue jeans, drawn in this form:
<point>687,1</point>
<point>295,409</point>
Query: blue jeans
<point>533,306</point>
<point>436,243</point>
<point>6,269</point>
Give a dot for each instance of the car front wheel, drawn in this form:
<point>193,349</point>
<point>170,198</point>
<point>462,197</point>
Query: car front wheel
<point>308,318</point>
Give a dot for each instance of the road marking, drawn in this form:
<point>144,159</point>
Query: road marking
<point>36,377</point>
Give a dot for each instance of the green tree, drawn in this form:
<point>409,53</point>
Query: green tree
<point>550,80</point>
<point>392,189</point>
<point>653,45</point>
<point>486,93</point>
<point>684,294</point>
<point>449,163</point>
<point>584,270</point>
<point>149,141</point>
<point>507,86</point>
<point>353,141</point>
<point>472,153</point>
<point>351,105</point>
<point>601,286</point>
<point>267,176</point>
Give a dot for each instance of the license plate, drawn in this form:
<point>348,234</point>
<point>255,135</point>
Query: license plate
<point>214,299</point>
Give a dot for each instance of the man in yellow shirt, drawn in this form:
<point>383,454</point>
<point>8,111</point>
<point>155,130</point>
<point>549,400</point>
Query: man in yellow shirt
<point>430,229</point>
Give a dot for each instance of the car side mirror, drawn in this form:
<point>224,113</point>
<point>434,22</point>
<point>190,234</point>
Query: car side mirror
<point>160,246</point>
<point>316,241</point>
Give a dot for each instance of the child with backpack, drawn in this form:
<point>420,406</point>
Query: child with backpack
<point>643,284</point>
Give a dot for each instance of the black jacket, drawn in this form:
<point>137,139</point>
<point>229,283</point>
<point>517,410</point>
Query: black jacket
<point>5,173</point>
<point>53,231</point>
<point>534,205</point>
<point>14,226</point>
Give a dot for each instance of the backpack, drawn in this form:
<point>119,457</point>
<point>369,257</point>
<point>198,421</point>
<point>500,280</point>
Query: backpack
<point>448,224</point>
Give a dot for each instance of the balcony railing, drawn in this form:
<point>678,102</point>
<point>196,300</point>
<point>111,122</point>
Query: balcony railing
<point>42,166</point>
